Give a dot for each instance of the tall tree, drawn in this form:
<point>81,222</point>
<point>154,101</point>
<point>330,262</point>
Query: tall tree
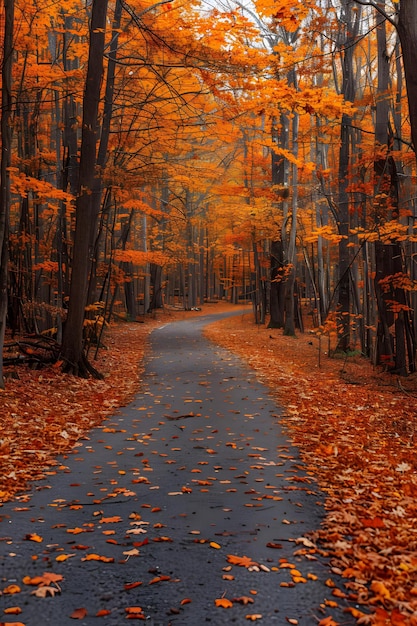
<point>72,351</point>
<point>350,21</point>
<point>6,145</point>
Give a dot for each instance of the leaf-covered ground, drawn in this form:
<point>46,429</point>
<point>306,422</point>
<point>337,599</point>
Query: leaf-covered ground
<point>354,426</point>
<point>44,412</point>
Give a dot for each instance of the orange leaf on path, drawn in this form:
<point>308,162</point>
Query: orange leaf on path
<point>79,613</point>
<point>97,557</point>
<point>34,537</point>
<point>223,603</point>
<point>13,610</point>
<point>11,589</point>
<point>244,600</point>
<point>128,586</point>
<point>327,621</point>
<point>242,561</point>
<point>159,579</point>
<point>134,612</point>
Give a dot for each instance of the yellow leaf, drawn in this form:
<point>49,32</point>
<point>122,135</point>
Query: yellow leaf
<point>215,545</point>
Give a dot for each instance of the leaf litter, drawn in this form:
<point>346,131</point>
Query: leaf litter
<point>354,427</point>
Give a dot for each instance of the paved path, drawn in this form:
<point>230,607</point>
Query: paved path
<point>151,506</point>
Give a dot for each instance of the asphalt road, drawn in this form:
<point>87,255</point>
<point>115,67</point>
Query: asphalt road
<point>151,516</point>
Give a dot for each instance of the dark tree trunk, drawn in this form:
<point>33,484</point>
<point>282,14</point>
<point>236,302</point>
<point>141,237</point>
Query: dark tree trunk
<point>104,143</point>
<point>395,341</point>
<point>277,289</point>
<point>156,284</point>
<point>6,140</point>
<point>407,32</point>
<point>351,21</point>
<point>86,220</point>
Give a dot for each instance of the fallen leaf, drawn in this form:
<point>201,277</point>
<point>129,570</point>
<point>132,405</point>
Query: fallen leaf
<point>223,603</point>
<point>380,590</point>
<point>128,586</point>
<point>79,613</point>
<point>97,557</point>
<point>12,589</point>
<point>133,552</point>
<point>135,612</point>
<point>244,600</point>
<point>328,621</point>
<point>33,537</point>
<point>45,591</point>
<point>63,557</point>
<point>159,579</point>
<point>242,561</point>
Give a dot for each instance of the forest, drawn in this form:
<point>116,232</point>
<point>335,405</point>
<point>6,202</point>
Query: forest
<point>176,153</point>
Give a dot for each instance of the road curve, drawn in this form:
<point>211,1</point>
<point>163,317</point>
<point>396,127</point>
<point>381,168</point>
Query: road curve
<point>190,497</point>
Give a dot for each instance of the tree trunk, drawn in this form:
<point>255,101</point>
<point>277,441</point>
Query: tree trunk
<point>289,326</point>
<point>407,32</point>
<point>104,143</point>
<point>86,219</point>
<point>394,341</point>
<point>6,140</point>
<point>351,21</point>
<point>276,295</point>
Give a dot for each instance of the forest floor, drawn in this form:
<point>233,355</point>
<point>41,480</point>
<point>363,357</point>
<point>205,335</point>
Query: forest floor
<point>354,426</point>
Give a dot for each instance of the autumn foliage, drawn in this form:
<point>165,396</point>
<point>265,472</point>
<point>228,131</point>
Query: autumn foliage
<point>237,155</point>
<point>261,154</point>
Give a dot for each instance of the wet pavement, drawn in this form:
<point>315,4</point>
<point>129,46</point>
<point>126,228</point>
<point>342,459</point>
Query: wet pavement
<point>188,507</point>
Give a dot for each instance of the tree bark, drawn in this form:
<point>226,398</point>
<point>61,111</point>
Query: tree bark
<point>6,140</point>
<point>86,219</point>
<point>407,32</point>
<point>351,22</point>
<point>276,294</point>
